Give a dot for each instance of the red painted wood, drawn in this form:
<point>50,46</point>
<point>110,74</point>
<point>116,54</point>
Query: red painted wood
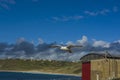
<point>86,71</point>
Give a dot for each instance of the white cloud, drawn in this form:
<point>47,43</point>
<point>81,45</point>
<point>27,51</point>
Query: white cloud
<point>5,3</point>
<point>76,56</point>
<point>101,43</point>
<point>67,18</point>
<point>8,1</point>
<point>40,41</point>
<point>70,43</point>
<point>83,41</point>
<point>101,12</point>
<point>91,13</point>
<point>104,11</point>
<point>95,13</point>
<point>20,40</point>
<point>117,41</point>
<point>54,54</point>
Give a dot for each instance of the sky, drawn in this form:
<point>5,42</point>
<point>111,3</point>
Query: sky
<point>59,20</point>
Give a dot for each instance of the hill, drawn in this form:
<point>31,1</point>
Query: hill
<point>46,66</point>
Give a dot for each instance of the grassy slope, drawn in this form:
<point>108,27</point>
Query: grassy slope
<point>43,66</point>
<point>116,79</point>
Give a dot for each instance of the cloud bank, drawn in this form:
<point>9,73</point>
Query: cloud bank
<point>24,49</point>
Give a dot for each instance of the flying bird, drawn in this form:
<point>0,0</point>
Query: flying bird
<point>66,48</point>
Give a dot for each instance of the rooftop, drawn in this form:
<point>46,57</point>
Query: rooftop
<point>95,56</point>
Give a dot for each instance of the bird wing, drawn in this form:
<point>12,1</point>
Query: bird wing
<point>70,51</point>
<point>55,46</point>
<point>70,46</point>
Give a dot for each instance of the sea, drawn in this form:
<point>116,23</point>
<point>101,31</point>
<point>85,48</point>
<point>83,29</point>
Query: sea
<point>35,76</point>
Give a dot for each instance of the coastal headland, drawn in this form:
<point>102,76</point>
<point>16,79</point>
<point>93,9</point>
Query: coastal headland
<point>41,66</point>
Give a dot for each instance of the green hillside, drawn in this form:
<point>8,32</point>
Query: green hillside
<point>41,66</point>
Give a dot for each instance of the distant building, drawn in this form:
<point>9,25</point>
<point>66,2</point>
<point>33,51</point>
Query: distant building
<point>100,67</point>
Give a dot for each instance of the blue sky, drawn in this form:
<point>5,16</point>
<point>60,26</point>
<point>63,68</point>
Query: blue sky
<point>59,20</point>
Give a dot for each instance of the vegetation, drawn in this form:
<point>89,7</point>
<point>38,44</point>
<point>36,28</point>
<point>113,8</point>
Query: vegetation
<point>116,79</point>
<point>41,66</point>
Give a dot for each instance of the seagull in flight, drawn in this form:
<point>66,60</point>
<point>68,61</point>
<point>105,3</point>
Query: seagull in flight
<point>66,48</point>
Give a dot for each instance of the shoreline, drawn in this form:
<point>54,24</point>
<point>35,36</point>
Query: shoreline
<point>40,72</point>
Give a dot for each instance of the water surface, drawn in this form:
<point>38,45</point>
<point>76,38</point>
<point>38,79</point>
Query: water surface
<point>35,76</point>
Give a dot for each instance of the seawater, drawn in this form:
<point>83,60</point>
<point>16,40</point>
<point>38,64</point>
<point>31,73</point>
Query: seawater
<point>35,76</point>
